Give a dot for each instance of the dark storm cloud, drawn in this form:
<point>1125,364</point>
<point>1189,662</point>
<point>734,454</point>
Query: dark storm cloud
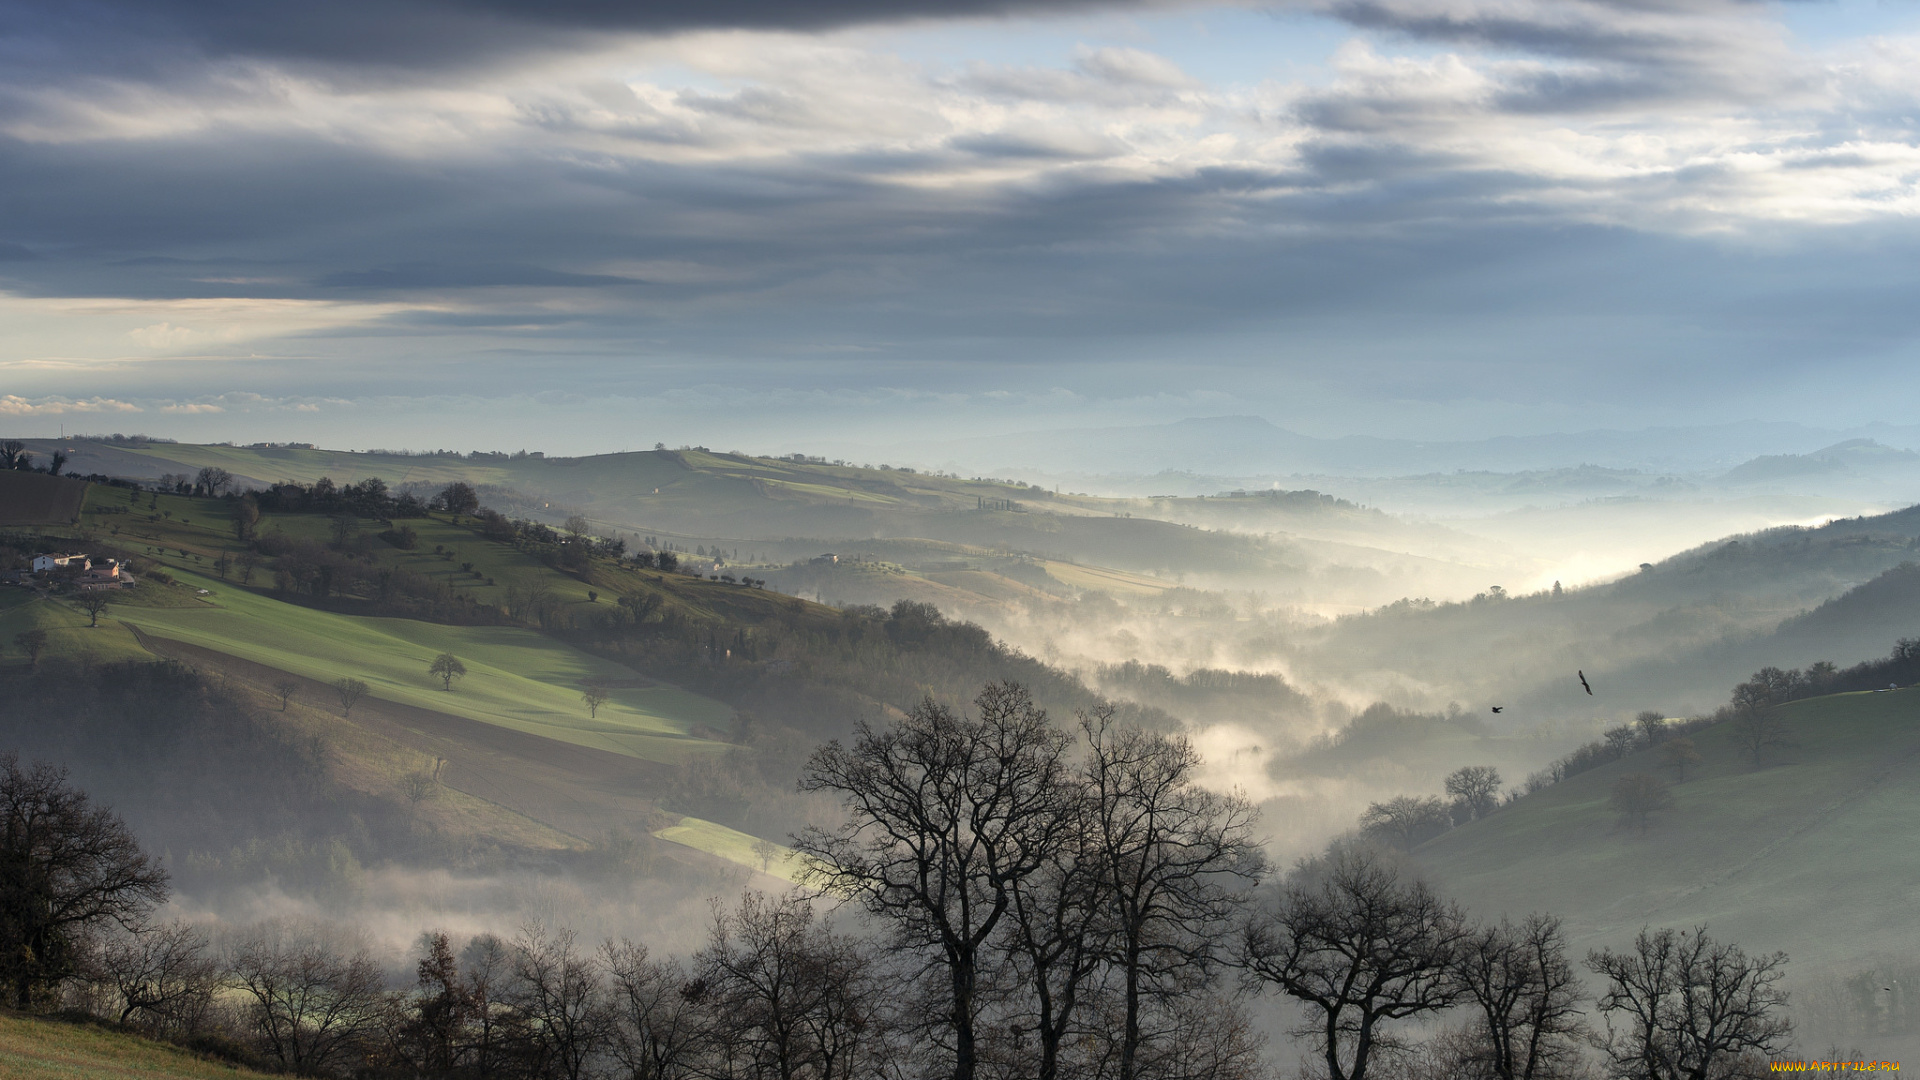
<point>401,34</point>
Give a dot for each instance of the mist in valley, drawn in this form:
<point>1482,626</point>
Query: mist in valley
<point>1011,540</point>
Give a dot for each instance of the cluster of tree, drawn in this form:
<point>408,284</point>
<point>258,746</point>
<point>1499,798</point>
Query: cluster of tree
<point>1211,689</point>
<point>1772,686</point>
<point>1065,898</point>
<point>14,455</point>
<point>346,568</point>
<point>1405,822</point>
<point>370,498</point>
<point>1648,730</point>
<point>1364,948</point>
<point>1047,906</point>
<point>572,547</point>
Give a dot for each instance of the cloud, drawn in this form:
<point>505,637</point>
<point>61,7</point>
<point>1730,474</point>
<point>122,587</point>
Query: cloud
<point>1483,198</point>
<point>13,405</point>
<point>399,38</point>
<point>191,409</point>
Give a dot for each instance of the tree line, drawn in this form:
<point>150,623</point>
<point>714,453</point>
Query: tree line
<point>1036,903</point>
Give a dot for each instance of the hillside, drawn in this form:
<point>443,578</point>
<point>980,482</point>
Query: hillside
<point>714,689</point>
<point>28,498</point>
<point>1806,851</point>
<point>777,510</point>
<point>1671,637</point>
<point>34,1049</point>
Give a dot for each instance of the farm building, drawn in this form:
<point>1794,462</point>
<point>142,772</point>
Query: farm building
<point>43,564</point>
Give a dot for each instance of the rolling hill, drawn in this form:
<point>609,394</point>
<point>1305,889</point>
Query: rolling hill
<point>1805,850</point>
<point>777,510</point>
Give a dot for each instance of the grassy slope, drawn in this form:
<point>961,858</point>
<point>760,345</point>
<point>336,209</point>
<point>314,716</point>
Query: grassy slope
<point>67,631</point>
<point>1810,852</point>
<point>731,845</point>
<point>53,1050</point>
<point>515,678</point>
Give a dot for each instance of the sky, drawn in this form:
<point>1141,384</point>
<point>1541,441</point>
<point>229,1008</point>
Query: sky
<point>585,225</point>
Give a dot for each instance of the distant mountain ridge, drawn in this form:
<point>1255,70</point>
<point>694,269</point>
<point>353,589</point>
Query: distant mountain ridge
<point>1251,445</point>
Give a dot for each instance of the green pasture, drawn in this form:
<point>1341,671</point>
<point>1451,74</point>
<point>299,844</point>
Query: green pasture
<point>515,678</point>
<point>33,1049</point>
<point>733,846</point>
<point>68,635</point>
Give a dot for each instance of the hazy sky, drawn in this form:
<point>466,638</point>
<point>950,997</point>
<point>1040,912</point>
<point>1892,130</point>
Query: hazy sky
<point>594,224</point>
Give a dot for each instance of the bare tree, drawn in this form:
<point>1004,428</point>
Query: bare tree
<point>659,1023</point>
<point>1690,1006</point>
<point>945,815</point>
<point>496,1035</point>
<point>213,480</point>
<point>350,691</point>
<point>457,499</point>
<point>32,642</point>
<point>1477,787</point>
<point>1519,980</point>
<point>246,516</point>
<point>12,453</point>
<point>559,994</point>
<point>1209,1037</point>
<point>431,1038</point>
<point>1636,797</point>
<point>1756,729</point>
<point>446,667</point>
<point>313,998</point>
<point>418,787</point>
<point>577,527</point>
<point>792,998</point>
<point>766,851</point>
<point>1406,822</point>
<point>593,697</point>
<point>1680,753</point>
<point>1174,862</point>
<point>67,868</point>
<point>93,602</point>
<point>163,976</point>
<point>284,690</point>
<point>341,528</point>
<point>1652,725</point>
<point>1057,935</point>
<point>1358,947</point>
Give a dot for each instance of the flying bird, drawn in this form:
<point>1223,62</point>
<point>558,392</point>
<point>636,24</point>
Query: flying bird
<point>1497,708</point>
<point>1583,683</point>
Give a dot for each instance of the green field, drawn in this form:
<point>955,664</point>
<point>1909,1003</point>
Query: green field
<point>733,846</point>
<point>68,635</point>
<point>1810,851</point>
<point>516,678</point>
<point>55,1050</point>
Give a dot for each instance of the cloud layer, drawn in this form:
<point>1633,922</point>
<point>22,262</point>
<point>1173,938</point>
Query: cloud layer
<point>1530,203</point>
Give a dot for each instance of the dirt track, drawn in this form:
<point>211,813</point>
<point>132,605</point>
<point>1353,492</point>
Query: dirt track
<point>579,791</point>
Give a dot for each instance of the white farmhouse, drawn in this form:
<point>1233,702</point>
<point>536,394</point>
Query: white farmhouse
<point>45,563</point>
